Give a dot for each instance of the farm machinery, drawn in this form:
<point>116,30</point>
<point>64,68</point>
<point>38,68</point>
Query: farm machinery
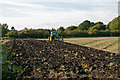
<point>54,36</point>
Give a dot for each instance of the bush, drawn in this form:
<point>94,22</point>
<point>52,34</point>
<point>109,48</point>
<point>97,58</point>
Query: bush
<point>10,68</point>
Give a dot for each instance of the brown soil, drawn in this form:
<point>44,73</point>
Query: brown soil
<point>56,59</point>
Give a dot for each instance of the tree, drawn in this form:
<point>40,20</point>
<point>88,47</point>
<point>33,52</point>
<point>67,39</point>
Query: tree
<point>60,31</point>
<point>99,22</point>
<point>114,24</point>
<point>98,26</point>
<point>71,28</point>
<point>13,34</point>
<point>53,29</point>
<point>85,25</point>
<point>92,24</point>
<point>25,28</point>
<point>12,28</point>
<point>5,30</point>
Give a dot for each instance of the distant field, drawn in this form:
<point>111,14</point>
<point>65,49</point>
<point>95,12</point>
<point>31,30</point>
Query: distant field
<point>103,43</point>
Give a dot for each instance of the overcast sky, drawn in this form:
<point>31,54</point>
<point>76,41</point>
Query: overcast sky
<point>53,13</point>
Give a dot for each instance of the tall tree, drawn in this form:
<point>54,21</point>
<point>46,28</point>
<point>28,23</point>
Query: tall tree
<point>114,24</point>
<point>84,25</point>
<point>60,30</point>
<point>98,26</point>
<point>5,30</point>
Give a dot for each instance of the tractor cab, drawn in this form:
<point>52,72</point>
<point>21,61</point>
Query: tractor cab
<point>53,36</point>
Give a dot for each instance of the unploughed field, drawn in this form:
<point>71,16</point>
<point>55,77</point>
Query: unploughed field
<point>103,43</point>
<point>56,59</point>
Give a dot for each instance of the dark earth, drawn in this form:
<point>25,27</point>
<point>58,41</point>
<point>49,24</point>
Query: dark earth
<point>58,60</point>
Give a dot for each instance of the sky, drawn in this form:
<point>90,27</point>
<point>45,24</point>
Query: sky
<point>49,14</point>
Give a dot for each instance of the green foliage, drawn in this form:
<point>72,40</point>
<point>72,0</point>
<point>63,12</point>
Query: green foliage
<point>61,28</point>
<point>85,29</point>
<point>75,33</point>
<point>12,28</point>
<point>53,29</point>
<point>85,25</point>
<point>71,28</point>
<point>30,33</point>
<point>5,30</point>
<point>10,68</point>
<point>114,24</point>
<point>13,34</point>
<point>98,26</point>
<point>99,22</point>
<point>60,31</point>
<point>12,54</point>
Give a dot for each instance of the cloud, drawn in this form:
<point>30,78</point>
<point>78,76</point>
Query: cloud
<point>21,4</point>
<point>41,16</point>
<point>26,5</point>
<point>64,0</point>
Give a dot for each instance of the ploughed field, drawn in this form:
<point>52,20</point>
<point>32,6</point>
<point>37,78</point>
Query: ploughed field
<point>57,59</point>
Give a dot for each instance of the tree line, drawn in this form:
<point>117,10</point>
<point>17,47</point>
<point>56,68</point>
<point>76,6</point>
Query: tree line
<point>84,29</point>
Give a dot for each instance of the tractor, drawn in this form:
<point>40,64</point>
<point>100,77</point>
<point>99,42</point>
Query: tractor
<point>54,36</point>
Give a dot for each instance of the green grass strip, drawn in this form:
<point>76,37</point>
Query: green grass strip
<point>92,41</point>
<point>111,44</point>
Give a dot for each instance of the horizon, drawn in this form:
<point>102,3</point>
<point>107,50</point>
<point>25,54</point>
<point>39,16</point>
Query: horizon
<point>48,15</point>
